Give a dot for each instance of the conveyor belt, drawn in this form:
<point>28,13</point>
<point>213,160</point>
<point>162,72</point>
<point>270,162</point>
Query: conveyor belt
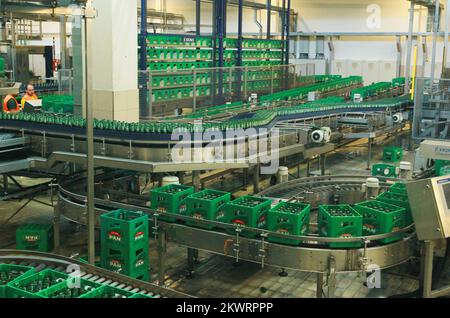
<point>41,261</point>
<point>139,132</point>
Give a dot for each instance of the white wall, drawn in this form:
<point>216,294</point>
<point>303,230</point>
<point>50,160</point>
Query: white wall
<point>355,55</point>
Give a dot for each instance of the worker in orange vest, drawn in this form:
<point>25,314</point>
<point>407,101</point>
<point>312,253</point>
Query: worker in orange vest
<point>10,104</point>
<point>29,95</point>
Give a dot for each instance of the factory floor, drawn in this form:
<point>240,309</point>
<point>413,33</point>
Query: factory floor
<point>218,276</point>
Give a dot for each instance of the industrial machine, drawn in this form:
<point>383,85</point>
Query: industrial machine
<point>430,205</point>
<point>51,141</point>
<point>430,198</point>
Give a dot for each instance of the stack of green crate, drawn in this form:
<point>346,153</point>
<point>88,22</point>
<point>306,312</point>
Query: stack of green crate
<point>177,52</point>
<point>289,218</point>
<point>384,170</point>
<point>381,218</point>
<point>35,237</point>
<point>188,52</point>
<point>32,285</point>
<point>124,243</point>
<point>392,154</point>
<point>400,200</point>
<point>10,273</point>
<point>340,221</point>
<point>247,211</point>
<point>170,199</point>
<point>206,205</point>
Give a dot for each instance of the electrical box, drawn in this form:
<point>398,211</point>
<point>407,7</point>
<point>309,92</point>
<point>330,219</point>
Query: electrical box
<point>430,207</point>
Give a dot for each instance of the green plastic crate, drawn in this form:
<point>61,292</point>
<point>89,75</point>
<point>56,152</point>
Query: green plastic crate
<point>400,200</point>
<point>35,237</point>
<point>124,229</point>
<point>247,211</point>
<point>392,154</point>
<point>288,218</point>
<point>108,292</point>
<point>133,262</point>
<point>10,273</point>
<point>71,288</point>
<point>340,221</point>
<point>381,218</point>
<point>170,199</point>
<point>206,205</point>
<point>399,188</point>
<point>30,286</point>
<point>384,170</point>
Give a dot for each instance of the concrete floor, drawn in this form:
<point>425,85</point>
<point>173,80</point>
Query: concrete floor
<point>216,276</point>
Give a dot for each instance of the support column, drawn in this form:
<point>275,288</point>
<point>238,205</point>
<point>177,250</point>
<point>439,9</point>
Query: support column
<point>5,184</point>
<point>369,152</point>
<point>256,179</point>
<point>424,55</point>
<point>322,160</point>
<point>161,246</point>
<point>319,285</point>
<point>78,65</point>
<point>409,48</point>
<point>192,258</point>
<point>63,41</point>
<point>435,36</point>
<point>145,106</point>
<point>56,229</point>
<point>428,268</point>
<point>197,17</point>
<point>331,57</point>
<point>446,34</point>
<point>196,180</point>
<point>244,178</point>
<point>398,71</point>
<point>308,167</point>
<point>89,111</point>
<point>114,61</point>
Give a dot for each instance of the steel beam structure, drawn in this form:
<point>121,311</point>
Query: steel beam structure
<point>144,110</point>
<point>409,49</point>
<point>269,14</point>
<point>197,16</point>
<point>435,36</point>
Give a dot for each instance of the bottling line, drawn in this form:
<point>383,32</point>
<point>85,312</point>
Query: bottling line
<point>217,107</point>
